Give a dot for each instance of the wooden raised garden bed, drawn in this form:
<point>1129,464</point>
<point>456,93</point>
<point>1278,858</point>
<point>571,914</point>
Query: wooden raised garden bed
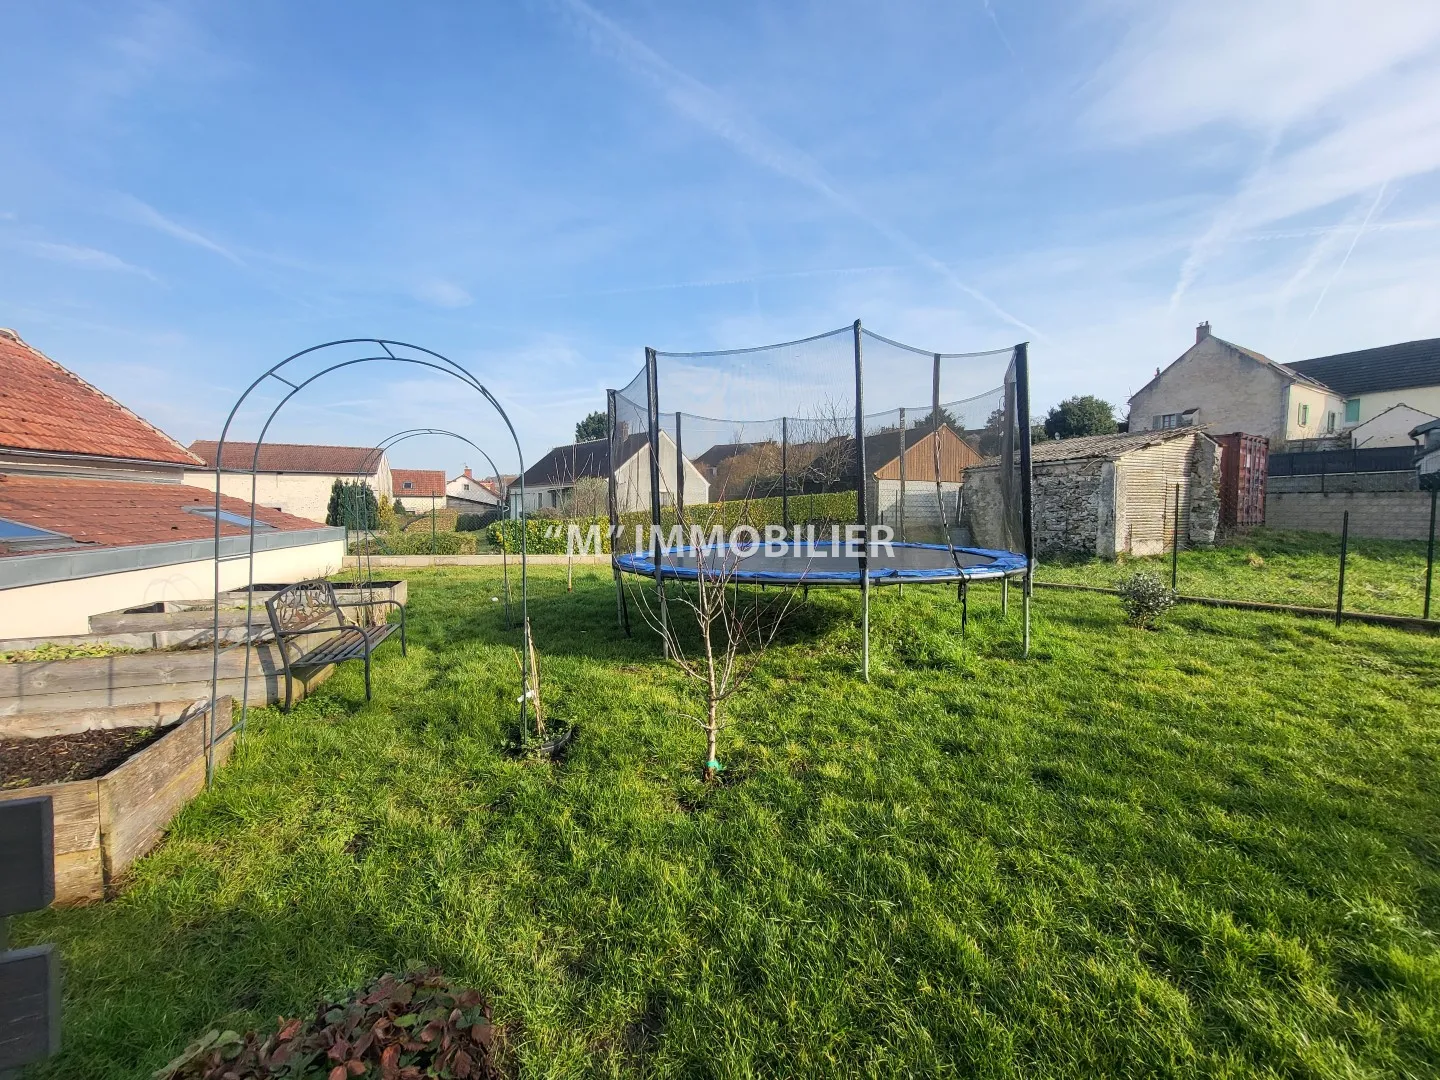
<point>53,697</point>
<point>104,823</point>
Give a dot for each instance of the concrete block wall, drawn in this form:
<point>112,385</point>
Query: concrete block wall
<point>1386,505</point>
<point>922,507</point>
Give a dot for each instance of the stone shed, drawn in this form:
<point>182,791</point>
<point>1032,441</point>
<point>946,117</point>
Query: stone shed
<point>1108,494</point>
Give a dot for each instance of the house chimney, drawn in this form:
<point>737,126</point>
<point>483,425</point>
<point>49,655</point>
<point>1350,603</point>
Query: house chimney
<point>1202,332</point>
<point>467,473</point>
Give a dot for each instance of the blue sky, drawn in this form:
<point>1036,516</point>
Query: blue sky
<point>193,191</point>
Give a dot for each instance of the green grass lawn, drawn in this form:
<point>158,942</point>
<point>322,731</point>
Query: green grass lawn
<point>1383,576</point>
<point>1212,849</point>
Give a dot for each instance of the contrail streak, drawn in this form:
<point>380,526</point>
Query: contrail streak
<point>1353,241</point>
<point>693,99</point>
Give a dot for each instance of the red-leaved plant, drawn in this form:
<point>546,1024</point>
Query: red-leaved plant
<point>400,1028</point>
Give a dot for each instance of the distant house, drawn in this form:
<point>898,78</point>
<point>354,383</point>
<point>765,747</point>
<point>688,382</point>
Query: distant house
<point>1373,380</point>
<point>293,477</point>
<point>558,481</point>
<point>739,469</point>
<point>1428,456</point>
<point>1225,387</point>
<point>1107,495</point>
<point>469,494</point>
<point>94,517</point>
<point>419,490</point>
<point>1390,427</point>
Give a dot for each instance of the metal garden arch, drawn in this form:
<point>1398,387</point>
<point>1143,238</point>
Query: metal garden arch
<point>398,437</point>
<point>428,358</point>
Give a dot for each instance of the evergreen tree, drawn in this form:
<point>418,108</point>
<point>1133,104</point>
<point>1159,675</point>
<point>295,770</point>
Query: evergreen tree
<point>1085,414</point>
<point>594,426</point>
<point>352,504</point>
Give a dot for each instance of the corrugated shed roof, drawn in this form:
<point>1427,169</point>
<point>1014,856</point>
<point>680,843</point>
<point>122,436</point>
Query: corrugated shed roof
<point>418,482</point>
<point>1107,447</point>
<point>117,513</point>
<point>44,407</point>
<point>1387,367</point>
<point>293,457</point>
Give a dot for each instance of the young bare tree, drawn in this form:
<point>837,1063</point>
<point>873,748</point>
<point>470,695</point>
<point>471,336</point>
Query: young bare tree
<point>734,626</point>
<point>826,445</point>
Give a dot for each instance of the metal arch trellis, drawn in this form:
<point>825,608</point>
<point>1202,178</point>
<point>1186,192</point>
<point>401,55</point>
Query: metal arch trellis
<point>436,362</point>
<point>378,451</point>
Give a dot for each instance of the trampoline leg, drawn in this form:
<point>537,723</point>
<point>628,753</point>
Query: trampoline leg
<point>865,626</point>
<point>964,608</point>
<point>1004,597</point>
<point>1025,607</point>
<point>621,615</point>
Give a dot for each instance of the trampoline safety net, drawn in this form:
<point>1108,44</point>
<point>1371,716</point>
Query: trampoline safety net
<point>768,437</point>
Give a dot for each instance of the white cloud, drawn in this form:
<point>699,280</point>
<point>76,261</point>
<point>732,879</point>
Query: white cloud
<point>79,255</point>
<point>1341,94</point>
<point>147,215</point>
<point>442,294</point>
<point>1260,66</point>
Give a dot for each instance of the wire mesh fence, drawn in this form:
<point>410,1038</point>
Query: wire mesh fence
<point>1327,567</point>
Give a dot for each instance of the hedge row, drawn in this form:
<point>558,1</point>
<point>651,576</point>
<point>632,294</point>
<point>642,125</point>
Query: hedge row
<point>548,536</point>
<point>415,543</point>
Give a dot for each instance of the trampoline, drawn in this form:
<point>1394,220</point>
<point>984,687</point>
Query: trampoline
<point>776,441</point>
<point>825,564</point>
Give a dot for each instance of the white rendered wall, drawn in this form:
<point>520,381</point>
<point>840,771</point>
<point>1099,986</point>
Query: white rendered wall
<point>303,494</point>
<point>60,608</point>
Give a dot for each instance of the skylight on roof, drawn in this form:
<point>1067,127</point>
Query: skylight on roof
<point>18,536</point>
<point>227,516</point>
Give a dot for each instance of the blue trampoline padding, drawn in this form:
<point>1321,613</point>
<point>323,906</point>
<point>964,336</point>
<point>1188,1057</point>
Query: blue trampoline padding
<point>812,564</point>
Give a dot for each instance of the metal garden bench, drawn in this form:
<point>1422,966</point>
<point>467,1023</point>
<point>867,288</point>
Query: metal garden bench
<point>308,609</point>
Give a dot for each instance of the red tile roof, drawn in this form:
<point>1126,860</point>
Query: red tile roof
<point>424,482</point>
<point>114,513</point>
<point>293,457</point>
<point>44,407</point>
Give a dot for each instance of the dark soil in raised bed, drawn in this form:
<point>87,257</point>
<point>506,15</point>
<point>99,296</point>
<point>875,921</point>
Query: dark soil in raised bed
<point>56,759</point>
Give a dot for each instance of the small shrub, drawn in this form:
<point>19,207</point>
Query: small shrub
<point>1255,560</point>
<point>416,1026</point>
<point>1145,598</point>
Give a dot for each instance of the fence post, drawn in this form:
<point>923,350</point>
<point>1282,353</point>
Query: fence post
<point>1430,552</point>
<point>1344,549</point>
<point>1175,545</point>
<point>433,551</point>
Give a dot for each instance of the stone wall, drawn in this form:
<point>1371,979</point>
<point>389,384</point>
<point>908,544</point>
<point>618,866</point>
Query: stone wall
<point>1386,505</point>
<point>1066,511</point>
<point>1204,492</point>
<point>1067,505</point>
